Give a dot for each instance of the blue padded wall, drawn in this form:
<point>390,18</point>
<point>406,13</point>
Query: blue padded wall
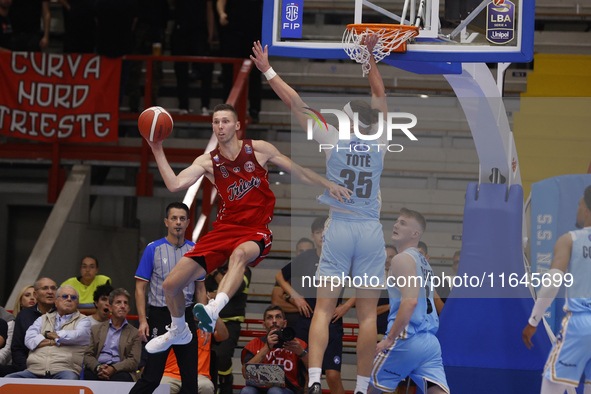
<point>480,328</point>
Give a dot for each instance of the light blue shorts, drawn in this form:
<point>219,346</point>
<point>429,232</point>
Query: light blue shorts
<point>418,357</point>
<point>353,245</point>
<point>571,354</point>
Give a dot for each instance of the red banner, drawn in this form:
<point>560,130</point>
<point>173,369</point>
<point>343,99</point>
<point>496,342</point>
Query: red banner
<point>52,97</point>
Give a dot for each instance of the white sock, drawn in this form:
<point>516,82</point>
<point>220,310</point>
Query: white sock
<point>314,375</point>
<point>221,300</point>
<point>362,384</point>
<point>179,322</point>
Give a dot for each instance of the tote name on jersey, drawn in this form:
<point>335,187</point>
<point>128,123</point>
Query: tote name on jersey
<point>238,190</point>
<point>358,160</point>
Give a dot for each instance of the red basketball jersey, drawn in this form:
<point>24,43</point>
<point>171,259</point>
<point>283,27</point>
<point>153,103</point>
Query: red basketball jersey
<point>243,187</point>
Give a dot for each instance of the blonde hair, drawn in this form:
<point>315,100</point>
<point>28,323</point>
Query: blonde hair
<point>17,303</point>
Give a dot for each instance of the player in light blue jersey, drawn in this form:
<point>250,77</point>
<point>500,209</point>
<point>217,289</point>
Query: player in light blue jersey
<point>410,347</point>
<point>353,236</point>
<point>571,354</point>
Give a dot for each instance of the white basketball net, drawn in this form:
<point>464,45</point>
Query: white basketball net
<point>387,42</point>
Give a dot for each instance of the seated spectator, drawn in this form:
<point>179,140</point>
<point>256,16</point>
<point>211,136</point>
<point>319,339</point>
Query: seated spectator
<point>25,299</point>
<point>5,354</point>
<point>303,245</point>
<point>293,355</point>
<point>45,289</point>
<point>57,340</point>
<point>456,262</point>
<point>3,333</point>
<point>172,375</point>
<point>101,303</point>
<point>87,282</point>
<point>422,247</point>
<point>278,296</point>
<point>384,301</point>
<point>5,26</point>
<point>115,346</point>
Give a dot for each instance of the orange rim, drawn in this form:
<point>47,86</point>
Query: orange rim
<point>375,27</point>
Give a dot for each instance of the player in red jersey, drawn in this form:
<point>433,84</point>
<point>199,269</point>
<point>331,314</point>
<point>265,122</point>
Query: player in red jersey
<point>238,169</point>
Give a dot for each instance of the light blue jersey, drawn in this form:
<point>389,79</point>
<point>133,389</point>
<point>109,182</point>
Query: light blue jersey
<point>424,317</point>
<point>579,294</point>
<point>570,356</point>
<point>357,165</point>
<point>416,352</point>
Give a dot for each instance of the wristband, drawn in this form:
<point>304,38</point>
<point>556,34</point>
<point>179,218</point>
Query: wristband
<point>270,73</point>
<point>97,368</point>
<point>287,297</point>
<point>303,354</point>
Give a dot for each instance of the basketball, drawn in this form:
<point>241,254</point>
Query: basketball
<point>155,124</point>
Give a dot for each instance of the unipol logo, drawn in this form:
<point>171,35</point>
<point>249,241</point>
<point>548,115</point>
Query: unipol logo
<point>402,121</point>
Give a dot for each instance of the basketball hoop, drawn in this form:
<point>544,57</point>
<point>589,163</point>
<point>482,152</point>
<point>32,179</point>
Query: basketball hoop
<point>392,38</point>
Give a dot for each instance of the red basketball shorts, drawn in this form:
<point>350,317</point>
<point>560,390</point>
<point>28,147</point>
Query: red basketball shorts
<point>216,246</point>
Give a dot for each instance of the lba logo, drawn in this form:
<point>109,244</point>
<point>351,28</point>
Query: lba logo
<point>393,122</point>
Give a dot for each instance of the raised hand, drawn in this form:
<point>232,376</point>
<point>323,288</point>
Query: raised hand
<point>261,56</point>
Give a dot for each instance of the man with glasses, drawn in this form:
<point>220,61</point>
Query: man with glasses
<point>45,289</point>
<point>57,340</point>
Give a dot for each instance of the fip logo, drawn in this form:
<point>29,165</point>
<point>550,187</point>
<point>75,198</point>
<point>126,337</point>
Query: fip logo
<point>393,122</point>
<point>291,20</point>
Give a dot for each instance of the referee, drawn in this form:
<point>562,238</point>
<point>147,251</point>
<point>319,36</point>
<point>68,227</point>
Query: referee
<point>158,260</point>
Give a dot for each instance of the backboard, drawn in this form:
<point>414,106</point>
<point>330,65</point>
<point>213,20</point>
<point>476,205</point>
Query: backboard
<point>451,31</point>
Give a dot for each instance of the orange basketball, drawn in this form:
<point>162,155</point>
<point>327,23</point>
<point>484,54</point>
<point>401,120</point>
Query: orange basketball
<point>155,124</point>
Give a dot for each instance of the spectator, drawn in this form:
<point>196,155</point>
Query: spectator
<point>422,247</point>
<point>278,296</point>
<point>101,303</point>
<point>57,340</point>
<point>172,374</point>
<point>241,23</point>
<point>5,26</point>
<point>115,23</point>
<point>45,289</point>
<point>3,333</point>
<point>5,354</point>
<point>149,30</point>
<point>159,258</point>
<point>25,18</point>
<point>456,262</point>
<point>303,245</point>
<point>87,283</point>
<point>305,265</point>
<point>25,299</point>
<point>115,346</point>
<point>384,301</point>
<point>233,316</point>
<point>192,36</point>
<point>79,26</point>
<point>293,355</point>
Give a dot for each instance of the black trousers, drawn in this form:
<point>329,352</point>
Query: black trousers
<point>224,353</point>
<point>186,355</point>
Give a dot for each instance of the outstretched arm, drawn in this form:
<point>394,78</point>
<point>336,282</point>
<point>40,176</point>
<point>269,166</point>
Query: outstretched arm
<point>285,92</point>
<point>378,91</point>
<point>403,265</point>
<point>305,175</point>
<point>186,177</point>
<point>562,253</point>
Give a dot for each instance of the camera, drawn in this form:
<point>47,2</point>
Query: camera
<point>285,334</point>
